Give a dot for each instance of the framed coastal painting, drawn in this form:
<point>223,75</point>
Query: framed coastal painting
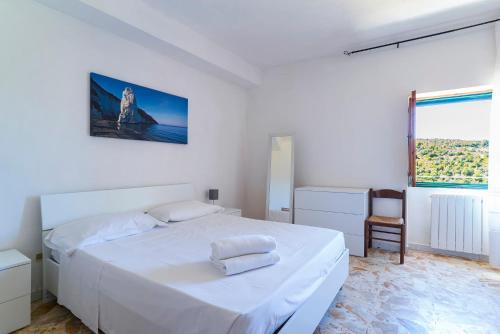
<point>120,109</point>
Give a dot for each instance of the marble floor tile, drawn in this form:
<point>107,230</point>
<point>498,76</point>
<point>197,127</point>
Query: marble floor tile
<point>428,294</point>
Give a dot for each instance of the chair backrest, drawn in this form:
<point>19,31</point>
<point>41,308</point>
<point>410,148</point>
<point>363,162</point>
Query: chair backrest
<point>388,193</point>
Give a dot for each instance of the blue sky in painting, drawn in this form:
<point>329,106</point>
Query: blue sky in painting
<point>165,108</point>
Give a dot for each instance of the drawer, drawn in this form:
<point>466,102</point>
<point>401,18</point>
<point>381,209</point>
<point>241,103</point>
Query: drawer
<point>15,314</point>
<point>347,223</point>
<point>333,202</point>
<point>15,282</point>
<point>355,244</point>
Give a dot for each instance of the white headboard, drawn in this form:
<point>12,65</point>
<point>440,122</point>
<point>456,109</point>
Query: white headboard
<point>58,209</point>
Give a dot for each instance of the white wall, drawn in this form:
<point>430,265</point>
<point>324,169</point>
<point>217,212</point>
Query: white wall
<point>349,114</point>
<point>145,24</point>
<point>45,145</point>
<point>494,172</point>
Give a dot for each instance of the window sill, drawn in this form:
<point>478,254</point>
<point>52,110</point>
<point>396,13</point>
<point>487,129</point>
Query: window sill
<point>451,185</point>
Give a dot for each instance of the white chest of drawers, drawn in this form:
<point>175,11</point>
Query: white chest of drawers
<point>341,209</point>
<point>15,291</point>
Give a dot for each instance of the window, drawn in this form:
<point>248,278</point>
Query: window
<point>451,139</point>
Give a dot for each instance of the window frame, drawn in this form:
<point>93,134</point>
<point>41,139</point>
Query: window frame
<point>479,94</point>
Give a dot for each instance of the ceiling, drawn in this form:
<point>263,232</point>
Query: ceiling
<point>268,33</point>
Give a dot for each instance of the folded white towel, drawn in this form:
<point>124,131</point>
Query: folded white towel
<point>239,264</point>
<point>242,245</point>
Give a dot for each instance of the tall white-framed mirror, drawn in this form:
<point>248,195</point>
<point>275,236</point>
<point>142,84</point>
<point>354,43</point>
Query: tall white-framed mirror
<point>280,179</point>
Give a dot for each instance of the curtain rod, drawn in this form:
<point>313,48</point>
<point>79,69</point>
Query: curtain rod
<point>348,53</point>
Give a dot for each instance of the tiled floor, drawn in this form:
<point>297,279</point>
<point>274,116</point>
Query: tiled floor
<point>429,294</point>
<point>52,318</point>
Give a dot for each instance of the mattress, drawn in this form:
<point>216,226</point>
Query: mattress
<point>162,280</point>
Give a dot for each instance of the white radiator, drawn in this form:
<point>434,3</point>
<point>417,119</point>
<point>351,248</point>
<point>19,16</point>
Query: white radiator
<point>457,223</point>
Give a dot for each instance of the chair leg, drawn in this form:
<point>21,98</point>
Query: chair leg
<point>370,235</point>
<point>402,249</point>
<point>367,237</point>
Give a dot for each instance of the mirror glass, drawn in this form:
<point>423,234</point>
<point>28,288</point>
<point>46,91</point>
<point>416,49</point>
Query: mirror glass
<point>280,179</point>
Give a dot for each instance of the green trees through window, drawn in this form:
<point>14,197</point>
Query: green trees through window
<point>452,161</point>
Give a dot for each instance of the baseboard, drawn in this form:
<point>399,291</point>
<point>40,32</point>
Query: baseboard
<point>429,249</point>
<point>426,248</point>
<point>36,295</point>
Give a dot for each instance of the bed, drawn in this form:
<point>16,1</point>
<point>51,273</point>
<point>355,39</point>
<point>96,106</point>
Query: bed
<point>161,280</point>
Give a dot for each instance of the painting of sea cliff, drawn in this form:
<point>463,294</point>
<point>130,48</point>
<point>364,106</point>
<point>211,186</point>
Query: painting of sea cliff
<point>119,109</point>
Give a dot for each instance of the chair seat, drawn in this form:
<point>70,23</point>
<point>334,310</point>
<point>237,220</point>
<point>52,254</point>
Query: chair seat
<point>382,220</point>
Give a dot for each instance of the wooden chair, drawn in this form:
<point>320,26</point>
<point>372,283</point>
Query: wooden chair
<point>382,221</point>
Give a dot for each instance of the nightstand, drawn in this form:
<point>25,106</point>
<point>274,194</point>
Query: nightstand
<point>15,291</point>
<point>232,212</point>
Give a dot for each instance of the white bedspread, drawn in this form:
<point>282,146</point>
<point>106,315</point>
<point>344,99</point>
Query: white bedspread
<point>162,280</point>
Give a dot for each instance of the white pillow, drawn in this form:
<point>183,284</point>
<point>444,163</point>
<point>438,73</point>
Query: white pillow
<point>92,230</point>
<point>185,210</point>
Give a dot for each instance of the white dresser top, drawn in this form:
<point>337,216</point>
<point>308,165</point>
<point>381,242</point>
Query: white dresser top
<point>335,190</point>
<point>12,258</point>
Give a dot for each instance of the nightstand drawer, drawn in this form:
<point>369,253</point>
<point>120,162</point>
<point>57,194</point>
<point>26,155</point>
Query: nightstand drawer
<point>15,314</point>
<point>15,282</point>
